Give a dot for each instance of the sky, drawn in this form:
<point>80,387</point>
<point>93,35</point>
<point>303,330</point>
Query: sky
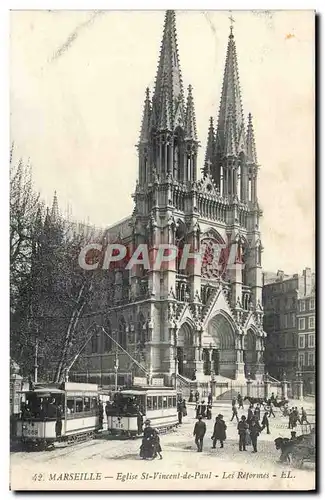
<point>77,87</point>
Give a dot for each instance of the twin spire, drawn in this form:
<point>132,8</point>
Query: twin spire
<point>167,110</point>
<point>230,138</point>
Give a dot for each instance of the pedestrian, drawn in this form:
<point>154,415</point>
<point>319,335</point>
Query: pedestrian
<point>199,433</point>
<point>180,411</point>
<point>210,398</point>
<point>209,412</point>
<point>240,401</point>
<point>242,427</point>
<point>197,396</point>
<point>250,414</point>
<point>265,423</point>
<point>157,445</point>
<point>197,410</point>
<point>254,431</point>
<point>257,412</point>
<point>190,399</point>
<point>303,416</point>
<point>290,419</point>
<point>296,416</point>
<point>271,412</point>
<point>256,415</point>
<point>219,431</point>
<point>184,409</point>
<point>140,415</point>
<point>234,413</point>
<point>203,409</point>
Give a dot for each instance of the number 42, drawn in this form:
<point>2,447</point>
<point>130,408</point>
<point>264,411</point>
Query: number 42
<point>37,477</point>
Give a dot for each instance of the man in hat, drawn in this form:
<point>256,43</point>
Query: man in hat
<point>199,433</point>
<point>242,428</point>
<point>219,431</point>
<point>265,423</point>
<point>234,412</point>
<point>254,430</point>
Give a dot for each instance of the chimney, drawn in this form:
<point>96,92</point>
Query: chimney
<point>307,280</point>
<point>280,275</point>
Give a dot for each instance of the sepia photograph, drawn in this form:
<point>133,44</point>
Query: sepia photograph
<point>162,250</point>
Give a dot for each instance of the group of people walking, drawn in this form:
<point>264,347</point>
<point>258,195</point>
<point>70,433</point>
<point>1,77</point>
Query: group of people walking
<point>295,418</point>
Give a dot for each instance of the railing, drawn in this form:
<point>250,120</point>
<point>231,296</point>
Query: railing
<point>211,209</point>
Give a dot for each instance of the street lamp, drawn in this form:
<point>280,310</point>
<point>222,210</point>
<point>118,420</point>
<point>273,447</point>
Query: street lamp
<point>116,364</point>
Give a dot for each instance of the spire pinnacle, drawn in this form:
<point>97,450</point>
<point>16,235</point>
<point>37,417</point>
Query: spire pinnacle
<point>145,127</point>
<point>210,150</point>
<point>250,142</point>
<point>190,120</point>
<point>169,79</point>
<point>55,208</point>
<point>230,104</point>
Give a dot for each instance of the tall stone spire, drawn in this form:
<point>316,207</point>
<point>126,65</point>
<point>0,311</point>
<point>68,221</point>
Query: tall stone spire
<point>168,92</point>
<point>55,208</point>
<point>190,120</point>
<point>145,127</point>
<point>210,150</point>
<point>250,142</point>
<point>230,105</point>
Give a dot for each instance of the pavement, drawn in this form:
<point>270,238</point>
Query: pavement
<point>116,465</point>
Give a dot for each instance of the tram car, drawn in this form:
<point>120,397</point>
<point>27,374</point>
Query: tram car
<point>70,412</point>
<point>130,408</point>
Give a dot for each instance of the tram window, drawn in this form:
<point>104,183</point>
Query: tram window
<point>159,402</point>
<point>155,402</point>
<point>94,402</point>
<point>164,401</point>
<point>170,402</point>
<point>79,405</point>
<point>70,405</point>
<point>149,403</point>
<point>86,404</point>
<point>174,401</point>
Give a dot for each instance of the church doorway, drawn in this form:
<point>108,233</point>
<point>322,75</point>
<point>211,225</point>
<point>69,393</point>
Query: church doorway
<point>223,353</point>
<point>186,352</point>
<point>249,355</point>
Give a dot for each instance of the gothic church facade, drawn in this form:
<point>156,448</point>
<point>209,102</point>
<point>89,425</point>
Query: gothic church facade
<point>206,319</point>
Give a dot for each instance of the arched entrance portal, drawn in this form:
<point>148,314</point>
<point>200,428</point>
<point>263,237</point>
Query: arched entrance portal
<point>222,356</point>
<point>186,352</point>
<point>249,355</point>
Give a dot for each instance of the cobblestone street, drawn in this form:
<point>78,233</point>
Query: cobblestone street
<point>120,467</point>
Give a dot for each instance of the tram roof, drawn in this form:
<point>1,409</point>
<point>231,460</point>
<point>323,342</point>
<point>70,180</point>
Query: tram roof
<point>44,390</point>
<point>143,390</point>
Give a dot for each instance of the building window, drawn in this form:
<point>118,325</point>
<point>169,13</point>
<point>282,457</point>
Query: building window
<point>301,323</point>
<point>311,322</point>
<point>301,341</point>
<point>301,360</point>
<point>312,304</point>
<point>293,320</point>
<point>311,359</point>
<point>311,340</point>
<point>285,321</point>
<point>302,305</point>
